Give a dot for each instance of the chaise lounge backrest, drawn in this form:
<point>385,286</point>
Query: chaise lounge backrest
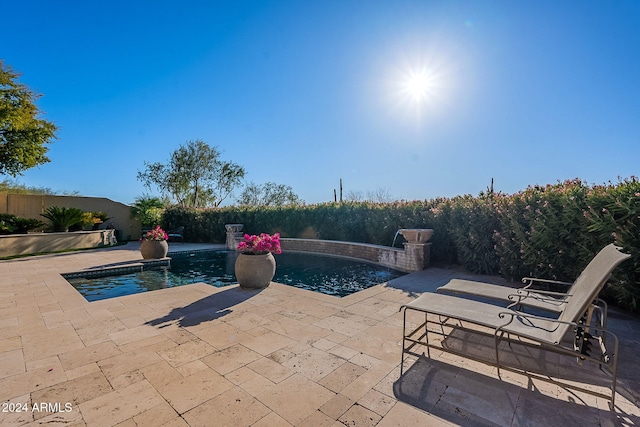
<point>590,282</point>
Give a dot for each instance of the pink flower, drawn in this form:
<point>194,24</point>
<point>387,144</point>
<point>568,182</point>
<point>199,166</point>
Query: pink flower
<point>155,234</point>
<point>262,244</point>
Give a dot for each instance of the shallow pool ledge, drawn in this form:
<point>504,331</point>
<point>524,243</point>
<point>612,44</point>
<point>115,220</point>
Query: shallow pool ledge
<point>414,256</point>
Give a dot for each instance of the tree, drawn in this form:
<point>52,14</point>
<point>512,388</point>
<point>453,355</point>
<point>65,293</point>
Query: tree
<point>355,196</point>
<point>23,134</point>
<point>195,176</point>
<point>269,194</point>
<point>379,195</point>
<point>14,187</point>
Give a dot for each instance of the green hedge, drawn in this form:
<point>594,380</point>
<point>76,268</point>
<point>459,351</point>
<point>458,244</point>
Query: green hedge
<point>544,231</point>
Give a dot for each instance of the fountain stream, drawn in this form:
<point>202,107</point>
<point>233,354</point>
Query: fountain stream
<point>393,245</point>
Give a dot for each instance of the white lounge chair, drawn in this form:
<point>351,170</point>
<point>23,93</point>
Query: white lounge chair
<point>450,313</point>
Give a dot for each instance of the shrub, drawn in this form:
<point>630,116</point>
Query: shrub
<point>614,215</point>
<point>473,224</point>
<point>542,232</point>
<point>63,218</point>
<point>11,224</point>
<point>148,210</point>
<point>549,231</point>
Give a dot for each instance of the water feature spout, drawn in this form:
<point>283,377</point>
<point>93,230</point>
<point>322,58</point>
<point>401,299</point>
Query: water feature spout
<point>393,245</point>
<point>416,235</point>
<point>413,235</point>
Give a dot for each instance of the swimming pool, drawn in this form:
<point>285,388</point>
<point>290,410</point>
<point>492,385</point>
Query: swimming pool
<point>325,274</point>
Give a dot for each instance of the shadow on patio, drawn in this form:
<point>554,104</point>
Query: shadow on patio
<point>462,396</point>
<point>206,309</point>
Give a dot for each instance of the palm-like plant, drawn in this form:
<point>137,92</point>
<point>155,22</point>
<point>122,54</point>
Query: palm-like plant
<point>63,218</point>
<point>11,224</point>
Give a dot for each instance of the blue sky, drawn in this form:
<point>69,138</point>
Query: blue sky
<point>304,93</point>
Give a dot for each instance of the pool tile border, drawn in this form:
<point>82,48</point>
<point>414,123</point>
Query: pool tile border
<point>114,270</point>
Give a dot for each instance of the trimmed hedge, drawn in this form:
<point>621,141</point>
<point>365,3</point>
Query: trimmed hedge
<point>549,231</point>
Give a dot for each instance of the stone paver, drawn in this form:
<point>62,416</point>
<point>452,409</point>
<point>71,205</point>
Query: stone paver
<point>199,355</point>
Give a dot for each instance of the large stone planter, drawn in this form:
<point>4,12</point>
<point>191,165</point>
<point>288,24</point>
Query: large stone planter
<point>154,249</point>
<point>255,271</point>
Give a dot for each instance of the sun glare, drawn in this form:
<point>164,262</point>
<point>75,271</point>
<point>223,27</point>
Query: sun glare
<point>419,86</point>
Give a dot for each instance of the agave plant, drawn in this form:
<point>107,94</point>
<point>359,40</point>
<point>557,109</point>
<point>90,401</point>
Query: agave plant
<point>63,218</point>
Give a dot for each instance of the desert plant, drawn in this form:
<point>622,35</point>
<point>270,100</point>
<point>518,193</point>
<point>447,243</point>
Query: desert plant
<point>63,218</point>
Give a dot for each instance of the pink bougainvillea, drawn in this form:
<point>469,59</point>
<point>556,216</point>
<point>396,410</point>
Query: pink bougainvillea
<point>260,244</point>
<point>155,234</point>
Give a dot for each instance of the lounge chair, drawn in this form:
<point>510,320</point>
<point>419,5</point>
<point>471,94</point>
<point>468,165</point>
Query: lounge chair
<point>450,313</point>
<point>527,296</point>
<point>176,234</point>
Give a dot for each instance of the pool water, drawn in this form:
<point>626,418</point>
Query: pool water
<point>325,274</point>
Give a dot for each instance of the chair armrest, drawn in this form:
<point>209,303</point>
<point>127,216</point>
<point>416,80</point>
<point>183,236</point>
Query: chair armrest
<point>528,292</point>
<point>522,295</point>
<point>531,280</point>
<point>510,315</point>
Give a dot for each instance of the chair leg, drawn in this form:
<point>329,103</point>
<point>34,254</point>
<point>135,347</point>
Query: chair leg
<point>404,336</point>
<point>426,334</point>
<point>497,343</point>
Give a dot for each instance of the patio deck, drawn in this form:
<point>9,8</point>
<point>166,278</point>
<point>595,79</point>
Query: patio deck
<point>200,356</point>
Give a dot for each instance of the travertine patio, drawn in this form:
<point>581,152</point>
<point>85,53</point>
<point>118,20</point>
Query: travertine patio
<point>201,356</point>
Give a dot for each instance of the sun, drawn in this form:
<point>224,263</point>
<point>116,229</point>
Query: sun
<point>419,85</point>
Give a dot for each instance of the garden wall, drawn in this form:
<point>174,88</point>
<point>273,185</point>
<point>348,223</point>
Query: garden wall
<point>32,206</point>
<point>33,243</point>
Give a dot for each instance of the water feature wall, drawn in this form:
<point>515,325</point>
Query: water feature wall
<point>234,235</point>
<point>414,256</point>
